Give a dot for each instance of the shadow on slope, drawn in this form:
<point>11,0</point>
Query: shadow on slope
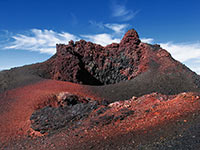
<point>148,82</point>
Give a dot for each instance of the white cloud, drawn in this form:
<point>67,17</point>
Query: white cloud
<point>147,40</point>
<point>74,19</point>
<point>1,69</point>
<point>117,28</point>
<point>120,11</point>
<point>97,24</point>
<point>43,41</point>
<point>103,39</point>
<point>182,51</point>
<point>195,68</point>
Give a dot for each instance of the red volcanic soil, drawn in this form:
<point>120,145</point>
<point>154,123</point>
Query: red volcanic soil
<point>130,124</point>
<point>154,116</point>
<point>16,106</point>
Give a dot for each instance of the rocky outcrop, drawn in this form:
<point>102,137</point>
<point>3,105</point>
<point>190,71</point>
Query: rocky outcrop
<point>87,63</point>
<point>76,112</point>
<point>69,109</point>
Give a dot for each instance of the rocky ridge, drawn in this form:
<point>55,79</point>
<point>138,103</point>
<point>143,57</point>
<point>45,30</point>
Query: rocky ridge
<point>92,64</point>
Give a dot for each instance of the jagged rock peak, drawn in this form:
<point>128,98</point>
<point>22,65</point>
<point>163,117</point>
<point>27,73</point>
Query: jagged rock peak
<point>131,36</point>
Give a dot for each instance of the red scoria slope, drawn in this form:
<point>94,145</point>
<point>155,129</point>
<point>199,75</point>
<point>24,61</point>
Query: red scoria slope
<point>39,112</point>
<point>17,105</point>
<point>146,120</point>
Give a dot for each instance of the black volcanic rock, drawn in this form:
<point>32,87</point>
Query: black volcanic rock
<point>68,108</point>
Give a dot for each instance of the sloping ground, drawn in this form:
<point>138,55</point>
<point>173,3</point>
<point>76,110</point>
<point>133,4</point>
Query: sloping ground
<point>16,106</point>
<point>152,121</point>
<point>17,77</point>
<point>146,83</point>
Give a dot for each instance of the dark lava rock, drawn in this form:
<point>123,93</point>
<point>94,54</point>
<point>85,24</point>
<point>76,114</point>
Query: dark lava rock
<point>104,102</point>
<point>71,100</point>
<point>102,110</point>
<point>87,63</point>
<point>52,118</point>
<point>102,120</point>
<point>124,114</point>
<point>106,119</point>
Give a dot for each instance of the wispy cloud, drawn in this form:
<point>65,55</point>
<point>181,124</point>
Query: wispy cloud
<point>97,24</point>
<point>117,28</point>
<point>121,12</point>
<point>74,20</point>
<point>183,51</point>
<point>4,37</point>
<point>147,40</point>
<point>103,39</point>
<point>43,41</point>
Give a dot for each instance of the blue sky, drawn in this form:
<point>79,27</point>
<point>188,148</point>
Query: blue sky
<point>29,29</point>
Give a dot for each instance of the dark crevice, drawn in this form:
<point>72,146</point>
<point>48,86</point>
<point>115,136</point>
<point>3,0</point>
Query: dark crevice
<point>86,78</point>
<point>83,75</point>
